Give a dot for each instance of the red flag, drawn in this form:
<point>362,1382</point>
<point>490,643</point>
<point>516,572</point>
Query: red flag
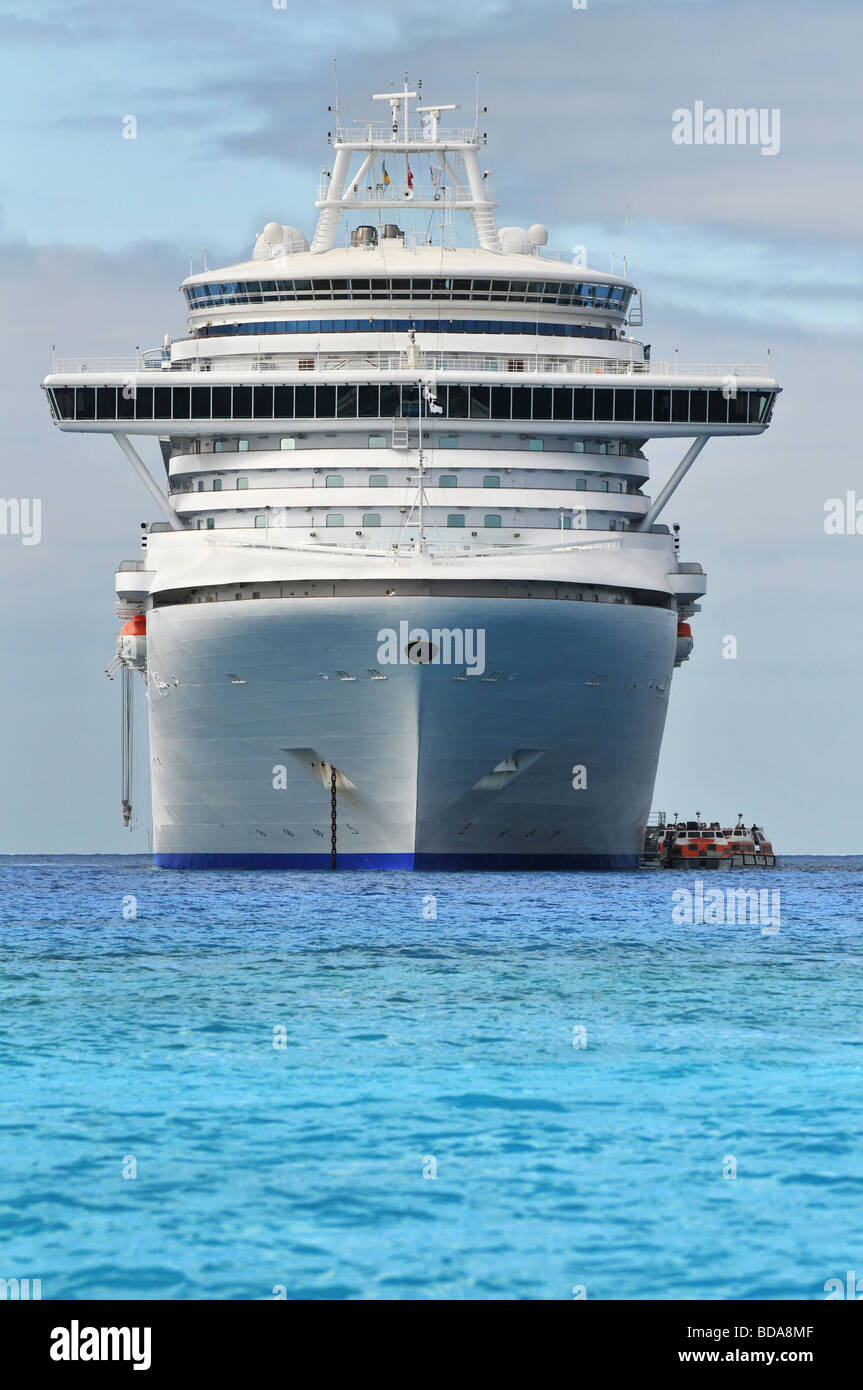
<point>410,178</point>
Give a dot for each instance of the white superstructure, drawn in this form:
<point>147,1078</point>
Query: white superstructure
<point>407,604</point>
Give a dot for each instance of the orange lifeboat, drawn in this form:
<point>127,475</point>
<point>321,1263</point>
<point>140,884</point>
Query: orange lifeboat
<point>684,643</point>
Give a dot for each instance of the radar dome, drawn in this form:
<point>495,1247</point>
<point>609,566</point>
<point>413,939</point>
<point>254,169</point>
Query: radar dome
<point>276,240</point>
<point>513,240</point>
<point>537,235</point>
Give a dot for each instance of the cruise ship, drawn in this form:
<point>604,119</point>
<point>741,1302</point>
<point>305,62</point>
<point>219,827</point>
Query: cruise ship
<point>405,603</point>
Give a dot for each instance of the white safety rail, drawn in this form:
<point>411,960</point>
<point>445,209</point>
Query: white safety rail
<point>520,363</point>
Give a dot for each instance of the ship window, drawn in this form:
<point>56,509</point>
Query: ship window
<point>501,403</point>
<point>217,485</point>
<point>304,402</point>
<point>369,402</point>
<point>603,405</point>
<point>85,403</point>
<point>662,405</point>
<point>243,446</point>
<point>200,485</point>
<point>542,402</point>
<point>263,402</point>
<point>737,409</point>
<point>335,480</point>
<point>492,520</point>
<point>242,483</point>
<point>371,519</point>
<point>623,404</point>
<point>521,404</point>
<point>491,480</point>
<point>457,401</point>
<point>335,519</point>
<point>181,403</point>
<point>578,446</point>
<point>562,409</point>
<point>480,402</point>
<point>326,403</point>
<point>680,406</point>
<point>582,403</point>
<point>287,442</point>
<point>283,402</point>
<point>566,523</point>
<point>455,519</point>
<point>242,402</point>
<point>448,441</point>
<point>199,523</point>
<point>581,485</point>
<point>377,441</point>
<point>717,407</point>
<point>200,402</point>
<point>377,480</point>
<point>448,480</point>
<point>698,406</point>
<point>221,402</point>
<point>535,445</point>
<point>211,522</point>
<point>347,402</point>
<point>644,405</point>
<point>390,400</point>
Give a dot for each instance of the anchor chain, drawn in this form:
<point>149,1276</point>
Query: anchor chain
<point>333,816</point>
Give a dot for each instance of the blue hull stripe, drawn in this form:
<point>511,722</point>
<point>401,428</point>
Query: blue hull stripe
<point>461,862</point>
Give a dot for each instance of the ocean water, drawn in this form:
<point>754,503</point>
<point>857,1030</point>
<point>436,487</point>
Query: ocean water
<point>425,1025</point>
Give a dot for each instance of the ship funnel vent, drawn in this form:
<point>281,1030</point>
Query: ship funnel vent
<point>364,236</point>
<point>392,232</point>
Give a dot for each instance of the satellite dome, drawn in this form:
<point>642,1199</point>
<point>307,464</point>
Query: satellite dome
<point>276,240</point>
<point>537,235</point>
<point>514,241</point>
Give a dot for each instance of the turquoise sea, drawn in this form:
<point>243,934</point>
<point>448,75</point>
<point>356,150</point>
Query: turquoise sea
<point>366,1085</point>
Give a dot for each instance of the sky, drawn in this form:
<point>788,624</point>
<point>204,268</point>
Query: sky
<point>737,252</point>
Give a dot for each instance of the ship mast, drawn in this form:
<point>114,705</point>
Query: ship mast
<point>457,156</point>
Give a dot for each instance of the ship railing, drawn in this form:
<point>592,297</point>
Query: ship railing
<point>522,363</point>
<point>373,133</point>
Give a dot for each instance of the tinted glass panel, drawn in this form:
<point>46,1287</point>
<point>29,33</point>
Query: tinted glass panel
<point>347,402</point>
<point>698,406</point>
<point>624,403</point>
<point>181,402</point>
<point>680,406</point>
<point>369,404</point>
<point>221,402</point>
<point>662,405</point>
<point>603,405</point>
<point>283,402</point>
<point>521,403</point>
<point>262,402</point>
<point>144,403</point>
<point>542,402</point>
<point>304,398</point>
<point>480,402</point>
<point>200,402</point>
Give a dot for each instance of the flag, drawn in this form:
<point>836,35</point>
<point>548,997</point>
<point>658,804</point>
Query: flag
<point>386,175</point>
<point>410,178</point>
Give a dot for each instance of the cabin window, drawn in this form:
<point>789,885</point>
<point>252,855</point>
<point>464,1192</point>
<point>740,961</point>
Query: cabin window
<point>217,485</point>
<point>581,485</point>
<point>535,444</point>
<point>287,442</point>
<point>218,446</point>
<point>448,441</point>
<point>200,485</point>
<point>335,480</point>
<point>455,519</point>
<point>377,480</point>
<point>243,446</point>
<point>491,480</point>
<point>566,523</point>
<point>242,483</point>
<point>492,520</point>
<point>371,519</point>
<point>260,521</point>
<point>377,441</point>
<point>335,519</point>
<point>211,522</point>
<point>448,480</point>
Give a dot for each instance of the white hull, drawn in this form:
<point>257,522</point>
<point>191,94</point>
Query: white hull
<point>565,684</point>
